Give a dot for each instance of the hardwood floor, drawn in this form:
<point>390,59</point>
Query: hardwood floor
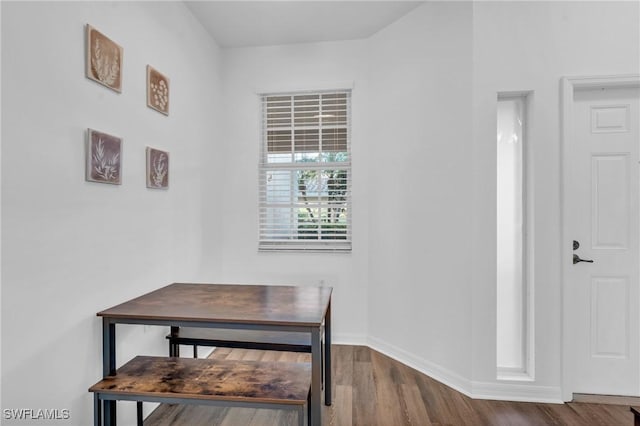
<point>372,389</point>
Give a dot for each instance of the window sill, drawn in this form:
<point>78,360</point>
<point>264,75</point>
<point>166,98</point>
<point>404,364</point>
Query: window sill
<point>514,376</point>
<point>281,247</point>
<point>309,250</point>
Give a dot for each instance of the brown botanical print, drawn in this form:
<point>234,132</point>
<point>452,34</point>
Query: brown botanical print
<point>157,90</point>
<point>157,168</point>
<point>104,158</point>
<point>104,60</point>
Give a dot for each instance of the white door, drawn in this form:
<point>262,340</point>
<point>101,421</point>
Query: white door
<point>601,201</point>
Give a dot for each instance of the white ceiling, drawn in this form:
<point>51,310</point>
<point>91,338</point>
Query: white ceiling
<point>262,23</point>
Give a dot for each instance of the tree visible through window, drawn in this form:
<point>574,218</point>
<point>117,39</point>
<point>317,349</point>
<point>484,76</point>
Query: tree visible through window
<point>305,172</point>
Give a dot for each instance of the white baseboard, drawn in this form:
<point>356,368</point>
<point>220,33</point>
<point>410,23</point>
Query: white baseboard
<point>437,372</point>
<point>477,390</point>
<point>517,392</point>
<point>349,339</point>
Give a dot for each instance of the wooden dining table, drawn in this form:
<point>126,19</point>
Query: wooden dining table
<point>254,307</point>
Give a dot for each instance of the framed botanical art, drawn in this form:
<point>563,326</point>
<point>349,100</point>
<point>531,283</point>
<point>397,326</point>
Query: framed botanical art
<point>157,90</point>
<point>103,60</point>
<point>104,158</point>
<point>157,168</point>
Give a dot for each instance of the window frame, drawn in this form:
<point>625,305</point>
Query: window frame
<point>526,303</point>
<point>330,238</point>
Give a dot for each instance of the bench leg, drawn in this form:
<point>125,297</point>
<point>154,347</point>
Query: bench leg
<point>195,351</point>
<point>139,413</point>
<point>302,415</point>
<point>174,348</point>
<point>97,410</point>
<point>322,363</point>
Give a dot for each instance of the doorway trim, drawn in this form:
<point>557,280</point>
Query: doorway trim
<point>568,86</point>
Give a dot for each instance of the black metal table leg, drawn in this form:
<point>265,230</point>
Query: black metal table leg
<point>327,356</point>
<point>316,377</point>
<point>109,366</point>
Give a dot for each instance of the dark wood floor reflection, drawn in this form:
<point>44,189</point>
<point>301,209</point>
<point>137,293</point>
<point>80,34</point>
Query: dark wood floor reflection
<point>371,389</point>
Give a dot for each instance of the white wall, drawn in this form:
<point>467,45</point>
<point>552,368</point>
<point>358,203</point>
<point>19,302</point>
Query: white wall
<point>419,193</point>
<point>424,111</point>
<point>0,212</point>
<point>522,46</point>
<point>72,248</point>
<point>420,282</point>
<point>405,288</point>
<point>247,72</point>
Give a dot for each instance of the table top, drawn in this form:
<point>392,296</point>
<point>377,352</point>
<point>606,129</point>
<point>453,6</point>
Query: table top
<point>224,303</point>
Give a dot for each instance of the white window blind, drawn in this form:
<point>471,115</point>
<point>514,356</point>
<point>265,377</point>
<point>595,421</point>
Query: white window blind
<point>305,171</point>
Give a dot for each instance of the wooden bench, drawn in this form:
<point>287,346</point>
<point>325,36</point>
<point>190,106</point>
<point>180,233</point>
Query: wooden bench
<point>256,384</point>
<point>636,415</point>
<point>245,339</point>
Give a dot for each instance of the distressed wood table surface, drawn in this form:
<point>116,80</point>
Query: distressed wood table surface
<point>256,307</point>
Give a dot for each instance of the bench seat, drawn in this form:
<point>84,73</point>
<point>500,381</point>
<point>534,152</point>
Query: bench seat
<point>636,415</point>
<point>254,384</point>
<point>245,339</point>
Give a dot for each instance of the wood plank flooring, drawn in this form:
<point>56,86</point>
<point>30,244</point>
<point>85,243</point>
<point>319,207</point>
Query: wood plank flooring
<point>371,389</point>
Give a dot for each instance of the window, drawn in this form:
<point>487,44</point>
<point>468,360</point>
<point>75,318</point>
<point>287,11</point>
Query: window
<point>305,172</point>
<point>513,301</point>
